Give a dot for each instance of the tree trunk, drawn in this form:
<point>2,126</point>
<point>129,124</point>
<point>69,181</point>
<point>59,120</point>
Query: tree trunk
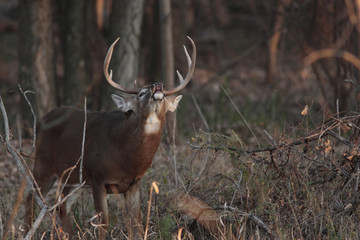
<point>125,22</point>
<point>36,56</point>
<point>330,73</point>
<point>272,70</point>
<point>74,42</point>
<point>95,54</point>
<point>167,59</point>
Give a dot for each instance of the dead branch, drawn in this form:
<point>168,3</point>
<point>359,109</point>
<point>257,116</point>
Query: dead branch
<point>23,168</point>
<point>37,222</point>
<point>83,143</point>
<point>29,179</point>
<point>334,123</point>
<point>32,112</point>
<point>332,53</point>
<point>254,218</point>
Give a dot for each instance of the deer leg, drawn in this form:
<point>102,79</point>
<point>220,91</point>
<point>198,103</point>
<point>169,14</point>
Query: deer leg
<point>132,206</point>
<point>101,207</point>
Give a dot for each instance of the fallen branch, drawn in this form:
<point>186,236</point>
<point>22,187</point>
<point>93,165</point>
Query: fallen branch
<point>254,218</point>
<point>329,127</point>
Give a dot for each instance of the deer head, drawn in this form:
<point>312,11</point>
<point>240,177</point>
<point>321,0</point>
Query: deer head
<point>119,145</point>
<point>152,101</point>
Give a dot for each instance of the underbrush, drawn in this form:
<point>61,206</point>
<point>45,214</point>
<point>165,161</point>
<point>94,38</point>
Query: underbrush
<point>299,186</point>
<point>301,183</point>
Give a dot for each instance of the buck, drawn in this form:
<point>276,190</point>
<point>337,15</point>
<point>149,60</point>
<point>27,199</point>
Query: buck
<point>119,146</point>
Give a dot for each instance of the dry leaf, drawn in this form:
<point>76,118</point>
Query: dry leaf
<point>345,127</point>
<point>305,111</point>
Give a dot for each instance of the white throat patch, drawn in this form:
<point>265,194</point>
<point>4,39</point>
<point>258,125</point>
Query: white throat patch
<point>152,124</point>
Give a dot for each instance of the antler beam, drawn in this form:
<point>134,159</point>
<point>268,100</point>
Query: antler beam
<point>191,65</point>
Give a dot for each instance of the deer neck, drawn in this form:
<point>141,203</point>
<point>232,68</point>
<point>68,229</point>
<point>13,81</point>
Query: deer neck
<point>143,136</point>
<point>146,141</point>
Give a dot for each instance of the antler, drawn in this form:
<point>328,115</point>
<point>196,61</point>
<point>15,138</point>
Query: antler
<point>109,76</point>
<point>191,64</point>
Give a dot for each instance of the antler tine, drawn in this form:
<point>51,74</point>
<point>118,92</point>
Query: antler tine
<point>187,56</point>
<point>180,77</point>
<point>191,64</point>
<point>108,76</point>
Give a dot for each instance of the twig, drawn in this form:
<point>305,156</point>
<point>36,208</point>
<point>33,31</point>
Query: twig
<point>338,114</point>
<point>30,181</point>
<point>304,140</point>
<point>348,80</point>
<point>36,224</point>
<point>269,137</point>
<point>207,130</point>
<point>66,197</point>
<point>357,180</point>
<point>237,109</point>
<point>341,139</point>
<point>32,112</point>
<point>83,143</point>
<point>257,220</point>
<point>201,114</point>
<point>15,154</point>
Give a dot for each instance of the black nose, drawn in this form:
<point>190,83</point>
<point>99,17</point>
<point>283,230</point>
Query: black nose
<point>158,87</point>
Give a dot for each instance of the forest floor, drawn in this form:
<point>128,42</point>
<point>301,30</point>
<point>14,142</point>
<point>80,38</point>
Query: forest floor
<point>258,178</point>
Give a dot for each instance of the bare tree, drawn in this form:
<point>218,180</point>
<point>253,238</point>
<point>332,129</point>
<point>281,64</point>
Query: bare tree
<point>75,77</point>
<point>36,65</point>
<point>272,66</point>
<point>167,58</point>
<point>331,29</point>
<point>125,22</point>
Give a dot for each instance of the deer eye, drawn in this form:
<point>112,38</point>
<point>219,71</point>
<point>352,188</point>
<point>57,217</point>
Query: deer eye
<point>141,94</point>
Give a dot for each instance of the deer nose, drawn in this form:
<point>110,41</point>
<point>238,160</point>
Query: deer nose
<point>158,87</point>
<point>158,91</point>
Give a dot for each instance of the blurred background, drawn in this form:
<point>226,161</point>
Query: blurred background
<point>268,128</point>
<point>250,54</point>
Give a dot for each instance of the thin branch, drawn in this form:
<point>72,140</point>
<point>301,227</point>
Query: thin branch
<point>200,113</point>
<point>32,112</point>
<point>254,218</point>
<point>22,167</point>
<point>237,109</point>
<point>36,224</point>
<point>313,137</point>
<point>332,53</point>
<point>83,143</point>
<point>58,203</point>
<point>30,181</point>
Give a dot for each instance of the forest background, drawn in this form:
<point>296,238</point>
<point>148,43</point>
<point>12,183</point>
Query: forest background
<point>275,97</point>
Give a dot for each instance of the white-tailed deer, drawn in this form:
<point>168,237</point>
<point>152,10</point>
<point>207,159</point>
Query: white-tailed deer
<point>119,145</point>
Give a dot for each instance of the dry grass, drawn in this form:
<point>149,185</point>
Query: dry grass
<point>303,184</point>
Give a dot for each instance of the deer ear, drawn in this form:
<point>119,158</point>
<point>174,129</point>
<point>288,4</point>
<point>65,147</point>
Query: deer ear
<point>173,103</point>
<point>121,103</point>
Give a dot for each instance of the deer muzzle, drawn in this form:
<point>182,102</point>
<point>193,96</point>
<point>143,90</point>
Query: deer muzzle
<point>158,93</point>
